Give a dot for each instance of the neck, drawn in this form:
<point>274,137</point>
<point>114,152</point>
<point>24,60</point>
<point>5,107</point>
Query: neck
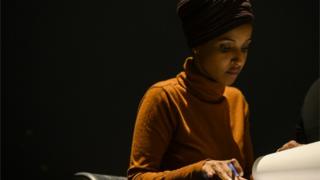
<point>198,84</point>
<point>202,70</point>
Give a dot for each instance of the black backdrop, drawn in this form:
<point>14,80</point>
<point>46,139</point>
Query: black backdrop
<point>73,73</point>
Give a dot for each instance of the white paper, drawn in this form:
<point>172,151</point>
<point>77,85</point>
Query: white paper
<point>300,163</point>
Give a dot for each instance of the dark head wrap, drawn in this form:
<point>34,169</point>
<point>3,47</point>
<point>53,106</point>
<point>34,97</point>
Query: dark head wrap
<point>203,20</point>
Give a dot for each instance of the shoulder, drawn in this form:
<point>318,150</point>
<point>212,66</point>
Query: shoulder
<point>235,95</point>
<point>158,92</point>
<point>237,100</point>
<point>165,84</point>
<point>162,88</point>
<point>233,92</point>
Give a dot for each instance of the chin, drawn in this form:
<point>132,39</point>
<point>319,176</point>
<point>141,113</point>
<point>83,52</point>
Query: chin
<point>226,81</point>
<point>229,82</point>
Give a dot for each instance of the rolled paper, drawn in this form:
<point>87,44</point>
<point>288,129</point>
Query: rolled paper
<point>299,163</point>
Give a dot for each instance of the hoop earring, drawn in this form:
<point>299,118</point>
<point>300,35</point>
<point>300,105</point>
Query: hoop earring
<point>194,50</point>
<point>195,53</point>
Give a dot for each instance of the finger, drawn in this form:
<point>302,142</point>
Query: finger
<point>227,169</point>
<point>208,172</point>
<point>241,178</point>
<point>294,143</point>
<point>279,149</point>
<point>207,176</point>
<point>282,148</point>
<point>221,173</point>
<point>289,145</point>
<point>238,167</point>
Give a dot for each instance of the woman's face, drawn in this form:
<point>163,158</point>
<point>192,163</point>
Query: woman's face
<point>224,57</point>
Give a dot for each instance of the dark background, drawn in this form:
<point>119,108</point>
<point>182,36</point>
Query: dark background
<point>73,73</point>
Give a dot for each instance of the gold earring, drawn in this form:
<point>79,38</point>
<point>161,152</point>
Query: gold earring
<point>195,51</point>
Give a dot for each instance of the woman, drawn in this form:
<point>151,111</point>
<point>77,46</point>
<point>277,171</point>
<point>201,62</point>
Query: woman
<point>193,125</point>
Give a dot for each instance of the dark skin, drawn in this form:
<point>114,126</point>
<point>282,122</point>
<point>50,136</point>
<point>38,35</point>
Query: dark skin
<point>222,59</point>
<point>289,145</point>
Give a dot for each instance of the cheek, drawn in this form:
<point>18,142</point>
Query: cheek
<point>216,65</point>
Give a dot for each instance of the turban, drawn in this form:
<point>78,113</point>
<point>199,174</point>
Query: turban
<point>203,20</point>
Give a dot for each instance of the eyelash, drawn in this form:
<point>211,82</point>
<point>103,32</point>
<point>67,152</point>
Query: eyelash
<point>245,49</point>
<point>225,49</point>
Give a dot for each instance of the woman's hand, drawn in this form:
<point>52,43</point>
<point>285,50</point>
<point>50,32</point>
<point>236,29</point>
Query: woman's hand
<point>221,169</point>
<point>289,145</point>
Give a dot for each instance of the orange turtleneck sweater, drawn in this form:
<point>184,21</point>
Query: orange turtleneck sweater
<point>183,121</point>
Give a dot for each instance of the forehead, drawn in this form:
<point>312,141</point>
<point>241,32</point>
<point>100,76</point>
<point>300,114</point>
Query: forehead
<point>240,33</point>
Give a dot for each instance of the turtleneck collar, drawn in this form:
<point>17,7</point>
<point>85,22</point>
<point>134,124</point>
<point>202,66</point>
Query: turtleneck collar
<point>198,84</point>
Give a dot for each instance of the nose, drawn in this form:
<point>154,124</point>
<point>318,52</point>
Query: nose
<point>239,57</point>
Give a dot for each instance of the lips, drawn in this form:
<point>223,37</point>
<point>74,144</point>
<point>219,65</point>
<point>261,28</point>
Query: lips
<point>234,71</point>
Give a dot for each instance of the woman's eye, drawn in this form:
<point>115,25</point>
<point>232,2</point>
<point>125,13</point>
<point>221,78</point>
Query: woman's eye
<point>245,49</point>
<point>225,48</point>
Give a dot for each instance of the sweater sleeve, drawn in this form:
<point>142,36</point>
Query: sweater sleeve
<point>152,133</point>
<point>248,149</point>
